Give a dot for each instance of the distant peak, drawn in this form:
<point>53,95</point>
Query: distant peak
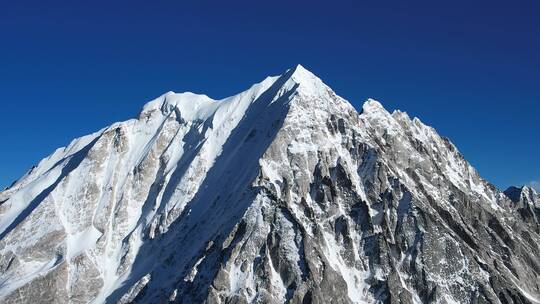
<point>529,190</point>
<point>518,193</point>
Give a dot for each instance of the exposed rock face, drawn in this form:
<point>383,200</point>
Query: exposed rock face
<point>283,193</point>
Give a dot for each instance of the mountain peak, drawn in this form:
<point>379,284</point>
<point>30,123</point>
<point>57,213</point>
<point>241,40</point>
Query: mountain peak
<point>519,193</point>
<point>373,108</point>
<point>301,73</point>
<point>371,105</point>
<point>308,83</point>
<point>200,106</point>
<point>281,193</point>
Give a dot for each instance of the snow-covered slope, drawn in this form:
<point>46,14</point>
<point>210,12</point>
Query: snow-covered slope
<point>282,193</point>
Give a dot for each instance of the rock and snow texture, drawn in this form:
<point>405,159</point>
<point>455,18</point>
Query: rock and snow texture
<point>281,194</point>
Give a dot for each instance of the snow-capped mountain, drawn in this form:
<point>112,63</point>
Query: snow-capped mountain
<point>282,193</point>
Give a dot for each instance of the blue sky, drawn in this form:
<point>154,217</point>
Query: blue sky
<point>468,68</point>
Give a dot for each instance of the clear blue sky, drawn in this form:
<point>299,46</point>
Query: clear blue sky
<point>471,69</point>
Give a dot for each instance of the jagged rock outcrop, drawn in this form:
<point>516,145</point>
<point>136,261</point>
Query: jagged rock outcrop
<point>283,193</point>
